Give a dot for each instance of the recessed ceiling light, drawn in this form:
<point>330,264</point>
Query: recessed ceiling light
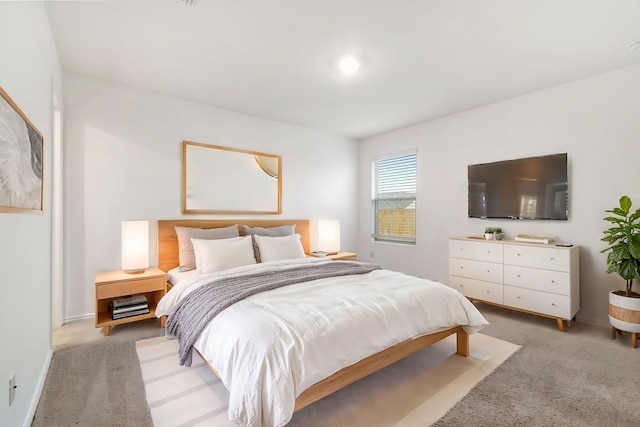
<point>349,64</point>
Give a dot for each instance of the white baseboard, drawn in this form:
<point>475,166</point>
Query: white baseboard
<point>38,392</point>
<point>80,317</point>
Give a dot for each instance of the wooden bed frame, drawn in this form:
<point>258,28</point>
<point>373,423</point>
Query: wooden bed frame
<point>168,259</point>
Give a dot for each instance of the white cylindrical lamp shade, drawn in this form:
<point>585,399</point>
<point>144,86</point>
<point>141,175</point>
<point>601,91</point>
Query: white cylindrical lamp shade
<point>135,246</point>
<point>329,235</point>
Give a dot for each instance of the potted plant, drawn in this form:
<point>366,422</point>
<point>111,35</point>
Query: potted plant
<point>623,259</point>
<point>488,233</point>
<point>497,234</point>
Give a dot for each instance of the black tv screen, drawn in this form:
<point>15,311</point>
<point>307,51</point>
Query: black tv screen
<point>528,188</point>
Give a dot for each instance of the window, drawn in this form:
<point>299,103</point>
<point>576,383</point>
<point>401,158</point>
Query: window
<point>394,199</point>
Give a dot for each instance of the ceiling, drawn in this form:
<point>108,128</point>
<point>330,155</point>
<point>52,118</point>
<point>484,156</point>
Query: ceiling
<point>276,59</point>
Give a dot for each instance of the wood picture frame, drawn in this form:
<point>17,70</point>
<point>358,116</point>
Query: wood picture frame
<point>21,160</point>
<point>218,179</point>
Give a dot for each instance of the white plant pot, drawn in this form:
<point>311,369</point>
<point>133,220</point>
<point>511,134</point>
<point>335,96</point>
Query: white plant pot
<point>488,236</point>
<point>624,313</point>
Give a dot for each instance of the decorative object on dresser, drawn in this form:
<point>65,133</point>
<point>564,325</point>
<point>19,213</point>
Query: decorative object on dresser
<point>533,278</point>
<point>623,239</point>
<point>489,233</point>
<point>116,290</point>
<point>534,238</point>
<point>498,234</point>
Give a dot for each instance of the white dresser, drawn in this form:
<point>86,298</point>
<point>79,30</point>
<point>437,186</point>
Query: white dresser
<point>534,278</point>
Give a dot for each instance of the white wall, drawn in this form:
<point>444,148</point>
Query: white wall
<point>29,73</point>
<point>594,120</point>
<point>123,161</point>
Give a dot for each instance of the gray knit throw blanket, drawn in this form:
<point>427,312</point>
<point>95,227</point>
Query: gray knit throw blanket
<point>195,311</point>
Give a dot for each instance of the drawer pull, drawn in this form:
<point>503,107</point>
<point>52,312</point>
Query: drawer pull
<point>553,304</point>
<point>553,281</point>
<point>517,275</point>
<point>518,254</point>
<point>552,258</point>
<point>488,291</point>
<point>488,271</point>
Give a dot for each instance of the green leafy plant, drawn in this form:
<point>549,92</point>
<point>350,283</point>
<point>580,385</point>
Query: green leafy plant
<point>489,230</point>
<point>498,230</point>
<point>623,238</point>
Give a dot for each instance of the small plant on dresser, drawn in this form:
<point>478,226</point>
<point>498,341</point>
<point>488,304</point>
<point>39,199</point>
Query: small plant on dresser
<point>498,234</point>
<point>489,233</point>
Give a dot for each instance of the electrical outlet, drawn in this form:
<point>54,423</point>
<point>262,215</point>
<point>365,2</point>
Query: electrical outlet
<point>12,387</point>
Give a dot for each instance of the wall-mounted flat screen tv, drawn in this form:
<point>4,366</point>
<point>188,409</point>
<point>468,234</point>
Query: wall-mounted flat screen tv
<point>528,188</point>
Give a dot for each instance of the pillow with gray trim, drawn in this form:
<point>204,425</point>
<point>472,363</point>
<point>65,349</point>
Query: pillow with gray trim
<point>186,255</point>
<point>279,231</point>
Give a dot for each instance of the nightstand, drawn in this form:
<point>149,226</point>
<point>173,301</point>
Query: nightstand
<point>344,256</point>
<point>115,284</point>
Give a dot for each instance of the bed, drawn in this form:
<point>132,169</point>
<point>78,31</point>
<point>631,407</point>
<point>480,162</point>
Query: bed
<point>318,336</point>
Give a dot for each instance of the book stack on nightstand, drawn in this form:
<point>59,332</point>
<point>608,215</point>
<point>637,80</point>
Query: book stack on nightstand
<point>130,306</point>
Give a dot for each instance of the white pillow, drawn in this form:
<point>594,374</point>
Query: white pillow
<point>223,254</point>
<point>185,247</point>
<point>277,248</point>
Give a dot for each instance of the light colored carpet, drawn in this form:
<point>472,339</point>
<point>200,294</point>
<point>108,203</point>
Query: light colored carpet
<point>416,391</point>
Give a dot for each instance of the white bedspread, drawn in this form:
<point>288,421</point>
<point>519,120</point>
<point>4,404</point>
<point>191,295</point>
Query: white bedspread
<point>272,346</point>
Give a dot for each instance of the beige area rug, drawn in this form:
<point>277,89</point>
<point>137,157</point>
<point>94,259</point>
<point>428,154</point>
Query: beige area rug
<point>414,392</point>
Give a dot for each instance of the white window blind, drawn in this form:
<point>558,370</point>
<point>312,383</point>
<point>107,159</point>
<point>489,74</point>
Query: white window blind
<point>394,199</point>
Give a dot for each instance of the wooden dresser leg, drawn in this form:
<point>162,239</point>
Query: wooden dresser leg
<point>634,340</point>
<point>614,332</point>
<point>560,324</point>
<point>163,321</point>
<point>106,330</point>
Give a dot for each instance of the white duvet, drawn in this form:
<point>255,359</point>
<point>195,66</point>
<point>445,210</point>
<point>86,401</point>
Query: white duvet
<point>272,346</point>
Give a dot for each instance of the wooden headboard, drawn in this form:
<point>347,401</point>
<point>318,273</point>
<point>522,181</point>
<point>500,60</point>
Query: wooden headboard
<point>168,241</point>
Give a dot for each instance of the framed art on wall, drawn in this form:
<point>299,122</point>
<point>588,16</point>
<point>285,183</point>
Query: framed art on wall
<point>217,179</point>
<point>21,149</point>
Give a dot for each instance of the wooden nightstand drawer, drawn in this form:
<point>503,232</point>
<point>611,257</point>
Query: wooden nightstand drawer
<point>129,287</point>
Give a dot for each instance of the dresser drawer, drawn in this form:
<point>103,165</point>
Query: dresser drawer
<point>485,271</point>
<point>538,302</point>
<point>545,257</point>
<point>477,289</point>
<point>557,282</point>
<point>480,251</point>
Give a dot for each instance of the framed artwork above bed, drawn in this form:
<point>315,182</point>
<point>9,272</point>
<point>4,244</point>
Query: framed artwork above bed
<point>217,179</point>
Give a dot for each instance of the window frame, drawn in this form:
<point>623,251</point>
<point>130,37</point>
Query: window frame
<point>407,160</point>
